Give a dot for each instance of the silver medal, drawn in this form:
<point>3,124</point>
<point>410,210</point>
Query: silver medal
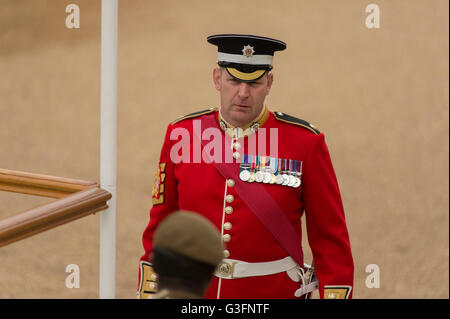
<point>280,179</point>
<point>259,176</point>
<point>297,182</point>
<point>244,175</point>
<point>299,174</point>
<point>285,179</point>
<point>267,177</point>
<point>291,180</point>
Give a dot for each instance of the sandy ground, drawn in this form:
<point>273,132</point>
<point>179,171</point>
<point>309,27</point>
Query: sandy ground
<point>379,95</point>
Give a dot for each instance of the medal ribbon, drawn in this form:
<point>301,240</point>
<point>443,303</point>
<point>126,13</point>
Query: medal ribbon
<point>253,163</point>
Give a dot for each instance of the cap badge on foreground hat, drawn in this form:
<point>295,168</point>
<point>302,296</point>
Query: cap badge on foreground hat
<point>248,50</point>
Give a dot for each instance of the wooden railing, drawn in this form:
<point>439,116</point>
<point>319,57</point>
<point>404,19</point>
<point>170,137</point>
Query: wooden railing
<point>75,199</point>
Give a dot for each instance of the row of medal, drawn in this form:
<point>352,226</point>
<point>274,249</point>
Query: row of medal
<point>270,170</point>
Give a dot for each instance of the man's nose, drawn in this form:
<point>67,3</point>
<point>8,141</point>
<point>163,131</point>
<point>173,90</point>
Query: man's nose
<point>244,90</point>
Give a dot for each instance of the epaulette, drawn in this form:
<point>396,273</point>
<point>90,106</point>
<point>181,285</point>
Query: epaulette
<point>296,121</point>
<point>195,114</point>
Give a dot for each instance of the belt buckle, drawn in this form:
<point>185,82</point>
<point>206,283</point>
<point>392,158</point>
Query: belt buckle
<point>226,268</point>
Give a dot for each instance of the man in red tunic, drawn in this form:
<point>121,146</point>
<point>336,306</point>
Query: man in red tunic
<point>253,173</point>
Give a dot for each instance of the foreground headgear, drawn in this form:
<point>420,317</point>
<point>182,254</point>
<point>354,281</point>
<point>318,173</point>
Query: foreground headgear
<point>245,57</point>
<point>190,235</point>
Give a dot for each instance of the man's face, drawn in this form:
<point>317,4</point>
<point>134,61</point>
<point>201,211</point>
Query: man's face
<point>241,102</point>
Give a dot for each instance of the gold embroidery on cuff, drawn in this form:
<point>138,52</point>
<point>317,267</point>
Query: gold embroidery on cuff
<point>336,292</point>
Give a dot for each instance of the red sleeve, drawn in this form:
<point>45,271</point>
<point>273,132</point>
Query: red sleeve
<point>326,226</point>
<point>164,199</point>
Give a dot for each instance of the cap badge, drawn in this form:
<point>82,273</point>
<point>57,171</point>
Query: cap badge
<point>248,51</point>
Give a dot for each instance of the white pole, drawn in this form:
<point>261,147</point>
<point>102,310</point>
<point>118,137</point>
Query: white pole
<point>108,146</point>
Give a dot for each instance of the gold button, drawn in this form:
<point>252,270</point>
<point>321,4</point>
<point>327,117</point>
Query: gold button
<point>228,209</point>
<point>226,253</point>
<point>227,226</point>
<point>229,198</point>
<point>226,238</point>
<point>237,146</point>
<point>236,155</point>
<point>230,183</point>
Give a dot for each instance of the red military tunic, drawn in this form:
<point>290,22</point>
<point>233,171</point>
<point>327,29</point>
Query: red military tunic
<point>196,185</point>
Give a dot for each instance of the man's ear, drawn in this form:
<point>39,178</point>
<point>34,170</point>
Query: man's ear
<point>217,78</point>
<point>269,82</point>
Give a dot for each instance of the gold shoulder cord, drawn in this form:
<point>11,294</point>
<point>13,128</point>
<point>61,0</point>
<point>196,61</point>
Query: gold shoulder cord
<point>296,121</point>
<point>196,114</point>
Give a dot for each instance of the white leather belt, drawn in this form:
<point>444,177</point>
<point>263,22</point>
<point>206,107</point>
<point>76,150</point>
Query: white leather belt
<point>232,268</point>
